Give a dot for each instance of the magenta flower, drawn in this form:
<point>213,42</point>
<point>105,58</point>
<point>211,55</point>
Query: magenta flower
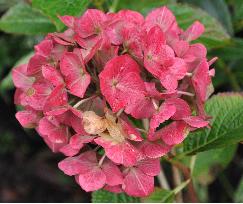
<point>109,93</point>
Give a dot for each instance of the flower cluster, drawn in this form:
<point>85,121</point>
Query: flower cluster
<point>114,93</point>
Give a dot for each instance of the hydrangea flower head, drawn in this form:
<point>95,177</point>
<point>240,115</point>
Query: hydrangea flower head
<point>86,91</point>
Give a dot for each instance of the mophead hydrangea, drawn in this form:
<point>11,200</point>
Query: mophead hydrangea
<point>114,93</point>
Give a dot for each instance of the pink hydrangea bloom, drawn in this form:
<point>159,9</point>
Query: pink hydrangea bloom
<point>89,88</point>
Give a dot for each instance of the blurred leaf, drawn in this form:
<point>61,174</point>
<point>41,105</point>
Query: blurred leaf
<point>22,19</point>
<point>6,4</point>
<point>226,110</point>
<point>237,6</point>
<point>210,163</point>
<point>144,6</point>
<point>214,35</point>
<point>233,51</point>
<point>217,9</point>
<point>55,8</point>
<point>7,82</point>
<point>103,196</point>
<point>160,196</point>
<point>238,197</point>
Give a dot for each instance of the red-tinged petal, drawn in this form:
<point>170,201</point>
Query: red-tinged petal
<point>201,80</point>
<point>81,164</point>
<point>57,102</point>
<point>92,180</point>
<point>180,47</point>
<point>196,121</point>
<point>56,134</point>
<point>90,23</point>
<point>173,133</point>
<point>37,95</point>
<point>76,77</point>
<point>154,149</point>
<point>150,167</point>
<point>137,108</point>
<point>131,16</point>
<point>162,17</point>
<point>18,97</point>
<point>68,20</point>
<point>182,108</point>
<point>152,91</point>
<point>77,141</point>
<point>52,75</point>
<point>112,172</point>
<point>20,79</point>
<point>67,150</point>
<point>114,189</point>
<point>35,64</point>
<point>166,111</point>
<point>130,131</point>
<point>120,153</point>
<point>28,118</point>
<point>120,82</point>
<point>193,32</point>
<point>55,147</point>
<point>44,48</point>
<point>136,183</point>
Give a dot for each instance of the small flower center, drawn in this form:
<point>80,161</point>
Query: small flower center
<point>30,92</point>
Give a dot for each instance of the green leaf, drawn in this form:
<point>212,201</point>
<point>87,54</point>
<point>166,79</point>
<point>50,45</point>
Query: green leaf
<point>226,110</point>
<point>160,196</point>
<point>217,9</point>
<point>237,6</point>
<point>238,197</point>
<point>210,163</point>
<point>103,196</point>
<point>55,8</point>
<point>214,35</point>
<point>22,19</point>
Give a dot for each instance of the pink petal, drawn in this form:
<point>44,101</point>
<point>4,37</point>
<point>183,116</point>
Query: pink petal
<point>52,75</point>
<point>131,16</point>
<point>68,20</point>
<point>81,164</point>
<point>166,111</point>
<point>28,118</point>
<point>112,172</point>
<point>150,167</point>
<point>196,121</point>
<point>120,153</point>
<point>68,150</point>
<point>162,17</point>
<point>90,23</point>
<point>113,189</point>
<point>136,183</point>
<point>44,48</point>
<point>76,77</point>
<point>120,82</point>
<point>35,64</point>
<point>182,108</point>
<point>57,102</point>
<point>130,131</point>
<point>154,149</point>
<point>77,141</point>
<point>173,133</point>
<point>193,32</point>
<point>20,79</point>
<point>92,180</point>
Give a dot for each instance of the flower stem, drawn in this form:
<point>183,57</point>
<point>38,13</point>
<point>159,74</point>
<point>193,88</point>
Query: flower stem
<point>162,180</point>
<point>101,160</point>
<point>83,101</point>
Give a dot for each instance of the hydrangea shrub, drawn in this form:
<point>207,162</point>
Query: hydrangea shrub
<point>87,92</point>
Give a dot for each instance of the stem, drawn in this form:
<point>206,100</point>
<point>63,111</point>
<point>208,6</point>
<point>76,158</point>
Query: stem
<point>141,130</point>
<point>119,112</point>
<point>187,176</point>
<point>146,124</point>
<point>162,180</point>
<point>232,78</point>
<point>83,101</point>
<point>177,182</point>
<point>155,104</point>
<point>185,93</point>
<point>189,74</point>
<point>101,160</point>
